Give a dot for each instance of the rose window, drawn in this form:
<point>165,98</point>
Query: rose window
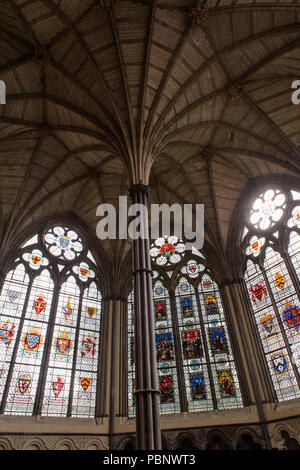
<point>167,250</point>
<point>267,209</point>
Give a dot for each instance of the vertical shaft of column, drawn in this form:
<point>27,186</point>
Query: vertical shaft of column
<point>148,435</point>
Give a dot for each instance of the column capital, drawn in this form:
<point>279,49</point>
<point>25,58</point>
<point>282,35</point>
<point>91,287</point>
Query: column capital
<point>140,187</point>
<point>231,282</point>
<point>114,298</point>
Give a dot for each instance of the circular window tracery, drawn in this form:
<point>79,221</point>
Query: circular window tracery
<point>267,209</point>
<point>63,243</point>
<point>255,246</point>
<point>167,251</point>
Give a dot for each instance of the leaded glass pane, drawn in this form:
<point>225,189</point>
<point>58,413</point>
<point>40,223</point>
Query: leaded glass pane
<point>51,361</point>
<point>62,351</point>
<point>199,337</point>
<point>26,371</point>
<point>131,365</point>
<point>12,301</point>
<point>165,351</point>
<point>192,349</point>
<point>224,373</point>
<point>84,396</point>
<point>268,321</point>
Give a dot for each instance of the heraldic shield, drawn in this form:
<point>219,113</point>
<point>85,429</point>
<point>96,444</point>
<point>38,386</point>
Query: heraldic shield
<point>7,333</point>
<point>32,340</point>
<point>279,363</point>
<point>13,295</point>
<point>63,344</point>
<point>39,305</point>
<point>24,383</point>
<point>268,326</point>
<point>57,387</point>
<point>91,311</point>
<point>67,309</point>
<point>279,281</point>
<point>258,291</point>
<point>85,383</point>
<point>291,316</point>
<point>64,242</point>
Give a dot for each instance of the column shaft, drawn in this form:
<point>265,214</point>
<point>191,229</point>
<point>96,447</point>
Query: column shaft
<point>148,436</point>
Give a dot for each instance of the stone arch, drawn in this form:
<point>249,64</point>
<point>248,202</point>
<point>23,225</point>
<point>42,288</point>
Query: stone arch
<point>248,440</point>
<point>128,443</point>
<point>217,440</point>
<point>5,444</point>
<point>94,444</point>
<point>65,444</point>
<point>291,443</point>
<point>286,436</point>
<point>185,441</point>
<point>35,444</point>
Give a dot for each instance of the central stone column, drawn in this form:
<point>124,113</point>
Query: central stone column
<point>148,435</point>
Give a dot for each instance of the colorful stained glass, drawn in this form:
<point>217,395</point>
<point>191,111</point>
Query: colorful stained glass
<point>192,268</point>
<point>7,332</point>
<point>63,243</point>
<point>217,340</point>
<point>187,307</point>
<point>267,322</point>
<point>226,384</point>
<point>279,363</point>
<point>198,387</point>
<point>279,280</point>
<point>84,272</point>
<point>164,347</point>
<point>211,305</point>
<point>294,221</point>
<point>191,344</point>
<point>255,245</point>
<point>36,259</point>
<point>32,340</point>
<point>167,251</point>
<point>180,336</point>
<point>291,315</point>
<point>30,322</point>
<point>277,314</point>
<point>258,291</point>
<point>166,389</point>
<point>24,383</point>
<point>160,310</point>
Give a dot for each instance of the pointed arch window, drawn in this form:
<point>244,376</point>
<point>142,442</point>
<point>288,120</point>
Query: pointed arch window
<point>50,328</point>
<point>195,363</point>
<point>271,274</point>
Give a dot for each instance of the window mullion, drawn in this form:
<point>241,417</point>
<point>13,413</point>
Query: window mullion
<point>292,272</point>
<point>69,413</point>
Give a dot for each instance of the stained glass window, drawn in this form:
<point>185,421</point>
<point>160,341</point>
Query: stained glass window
<point>165,350</point>
<point>167,251</point>
<point>272,268</point>
<point>195,363</point>
<point>50,312</point>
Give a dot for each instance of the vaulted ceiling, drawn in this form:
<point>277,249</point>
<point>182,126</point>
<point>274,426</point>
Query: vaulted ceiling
<point>193,98</point>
